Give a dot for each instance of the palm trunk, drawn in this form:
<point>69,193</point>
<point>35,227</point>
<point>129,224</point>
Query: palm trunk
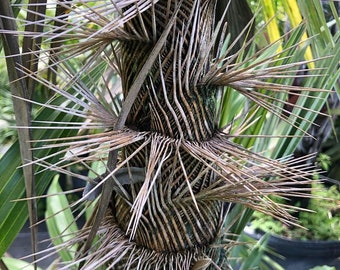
<point>172,107</point>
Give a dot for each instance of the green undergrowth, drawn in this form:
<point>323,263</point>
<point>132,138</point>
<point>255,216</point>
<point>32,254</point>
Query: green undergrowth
<point>321,222</point>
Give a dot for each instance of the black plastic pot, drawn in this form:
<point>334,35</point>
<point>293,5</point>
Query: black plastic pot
<point>21,247</point>
<point>300,254</point>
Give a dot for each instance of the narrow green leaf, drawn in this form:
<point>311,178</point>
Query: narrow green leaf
<point>59,219</point>
<point>14,214</point>
<point>256,254</point>
<point>15,264</point>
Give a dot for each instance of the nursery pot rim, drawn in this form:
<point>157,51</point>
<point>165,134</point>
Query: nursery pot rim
<point>296,247</point>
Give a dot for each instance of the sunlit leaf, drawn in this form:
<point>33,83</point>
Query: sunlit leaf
<point>60,220</point>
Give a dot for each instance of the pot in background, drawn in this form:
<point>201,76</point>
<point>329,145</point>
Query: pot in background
<point>294,254</point>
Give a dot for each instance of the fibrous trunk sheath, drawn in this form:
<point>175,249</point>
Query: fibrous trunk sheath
<point>172,106</point>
